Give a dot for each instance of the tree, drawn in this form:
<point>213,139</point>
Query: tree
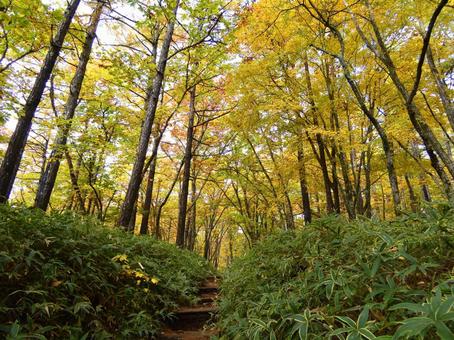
<point>13,154</point>
<point>153,99</point>
<point>48,177</point>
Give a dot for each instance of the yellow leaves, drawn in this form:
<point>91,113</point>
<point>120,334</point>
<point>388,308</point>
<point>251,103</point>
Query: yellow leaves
<point>122,258</point>
<point>139,275</point>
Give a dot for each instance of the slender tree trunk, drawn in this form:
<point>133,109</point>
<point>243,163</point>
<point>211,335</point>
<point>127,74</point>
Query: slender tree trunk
<point>447,102</point>
<point>337,147</point>
<point>303,185</point>
<point>48,178</point>
<point>383,202</point>
<point>424,190</point>
<point>367,189</point>
<point>411,192</point>
<point>192,228</point>
<point>183,197</point>
<point>15,150</point>
<point>157,227</point>
<point>136,175</point>
<point>326,179</point>
<point>335,183</point>
<point>146,208</point>
<point>321,155</point>
<point>74,182</point>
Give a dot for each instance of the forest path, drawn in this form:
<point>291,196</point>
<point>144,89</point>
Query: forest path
<point>191,322</point>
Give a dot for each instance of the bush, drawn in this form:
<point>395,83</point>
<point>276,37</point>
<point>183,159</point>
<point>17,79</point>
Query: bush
<point>346,279</point>
<point>62,276</point>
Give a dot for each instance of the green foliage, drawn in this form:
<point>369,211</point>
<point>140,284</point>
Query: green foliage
<point>66,277</point>
<point>360,280</point>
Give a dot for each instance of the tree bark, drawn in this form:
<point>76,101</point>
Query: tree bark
<point>192,218</point>
<point>74,182</point>
<point>447,102</point>
<point>303,184</point>
<point>48,178</point>
<point>146,208</point>
<point>15,150</point>
<point>136,175</point>
<point>183,197</point>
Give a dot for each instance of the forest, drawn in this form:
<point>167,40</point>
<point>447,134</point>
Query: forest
<point>292,159</point>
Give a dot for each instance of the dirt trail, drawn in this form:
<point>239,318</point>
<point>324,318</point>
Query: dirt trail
<point>192,322</point>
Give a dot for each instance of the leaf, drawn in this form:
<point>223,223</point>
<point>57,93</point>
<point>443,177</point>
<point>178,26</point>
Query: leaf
<point>443,331</point>
<point>338,331</point>
<point>363,317</point>
<point>367,333</point>
<point>346,320</point>
<point>413,326</point>
<point>414,307</point>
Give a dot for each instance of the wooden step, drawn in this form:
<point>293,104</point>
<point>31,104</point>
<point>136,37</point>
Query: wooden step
<point>169,334</point>
<point>192,318</point>
<point>189,321</point>
<point>206,298</point>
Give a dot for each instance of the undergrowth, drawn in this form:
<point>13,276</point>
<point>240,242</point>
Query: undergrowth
<point>338,279</point>
<point>68,278</point>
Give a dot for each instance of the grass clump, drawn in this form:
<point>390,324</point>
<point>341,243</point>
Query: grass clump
<point>338,279</point>
<point>62,276</point>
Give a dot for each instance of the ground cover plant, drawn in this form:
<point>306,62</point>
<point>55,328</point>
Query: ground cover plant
<point>357,280</point>
<point>62,276</point>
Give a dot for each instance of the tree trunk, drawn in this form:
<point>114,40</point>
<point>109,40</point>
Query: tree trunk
<point>48,178</point>
<point>303,185</point>
<point>192,227</point>
<point>74,182</point>
<point>146,208</point>
<point>136,175</point>
<point>15,150</point>
<point>183,197</point>
<point>411,192</point>
<point>448,104</point>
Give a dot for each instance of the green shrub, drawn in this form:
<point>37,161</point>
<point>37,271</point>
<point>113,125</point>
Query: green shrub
<point>338,279</point>
<point>62,276</point>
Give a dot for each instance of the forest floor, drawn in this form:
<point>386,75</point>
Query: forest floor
<point>195,322</point>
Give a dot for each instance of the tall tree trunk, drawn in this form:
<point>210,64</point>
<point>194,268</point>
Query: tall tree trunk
<point>424,189</point>
<point>348,194</point>
<point>74,182</point>
<point>183,197</point>
<point>48,178</point>
<point>447,102</point>
<point>411,192</point>
<point>368,184</point>
<point>335,183</point>
<point>136,175</point>
<point>321,155</point>
<point>146,208</point>
<point>192,227</point>
<point>326,179</point>
<point>303,184</point>
<point>15,150</point>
